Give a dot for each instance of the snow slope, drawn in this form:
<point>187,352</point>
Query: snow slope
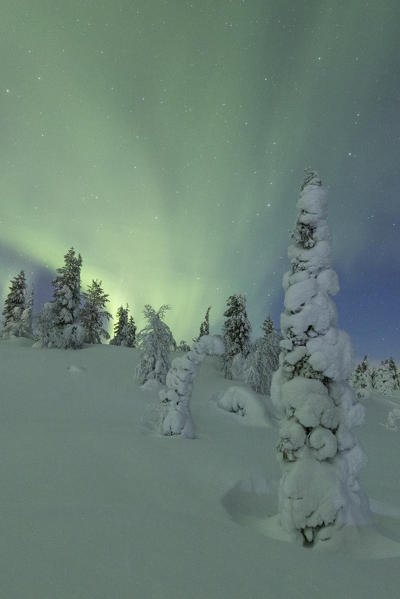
<point>96,504</point>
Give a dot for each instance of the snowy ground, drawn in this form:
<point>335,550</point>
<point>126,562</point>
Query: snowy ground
<point>95,504</point>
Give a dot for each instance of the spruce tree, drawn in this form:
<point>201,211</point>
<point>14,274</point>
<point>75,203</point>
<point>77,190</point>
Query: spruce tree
<point>361,379</point>
<point>17,309</point>
<point>93,313</point>
<point>236,332</point>
<point>263,359</point>
<point>59,325</point>
<point>121,327</point>
<point>131,333</point>
<point>155,342</point>
<point>205,325</point>
<point>320,457</point>
<point>386,377</point>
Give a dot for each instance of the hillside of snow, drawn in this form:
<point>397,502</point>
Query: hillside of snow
<point>96,504</point>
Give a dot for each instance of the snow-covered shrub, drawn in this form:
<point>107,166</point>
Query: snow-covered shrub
<point>175,398</point>
<point>393,420</point>
<point>236,332</point>
<point>155,342</point>
<point>320,457</point>
<point>183,346</point>
<point>245,403</point>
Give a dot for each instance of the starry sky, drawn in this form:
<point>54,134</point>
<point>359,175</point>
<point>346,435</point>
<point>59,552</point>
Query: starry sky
<point>166,141</point>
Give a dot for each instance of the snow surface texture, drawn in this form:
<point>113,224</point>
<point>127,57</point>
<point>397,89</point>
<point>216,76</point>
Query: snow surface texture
<point>243,402</point>
<point>177,419</point>
<point>319,490</point>
<point>95,507</point>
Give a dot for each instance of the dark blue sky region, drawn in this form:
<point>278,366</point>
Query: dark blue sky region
<point>166,141</point>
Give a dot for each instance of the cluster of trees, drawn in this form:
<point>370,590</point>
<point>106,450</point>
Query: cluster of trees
<point>384,378</point>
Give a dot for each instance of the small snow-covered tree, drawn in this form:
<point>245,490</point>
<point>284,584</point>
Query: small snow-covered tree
<point>59,324</point>
<point>155,342</point>
<point>320,457</point>
<point>262,360</point>
<point>236,333</point>
<point>121,327</point>
<point>386,377</point>
<point>205,325</point>
<point>177,419</point>
<point>17,309</point>
<point>361,378</point>
<point>93,313</point>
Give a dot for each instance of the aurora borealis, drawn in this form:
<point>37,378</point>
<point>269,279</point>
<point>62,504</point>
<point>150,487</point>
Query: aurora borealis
<point>166,141</point>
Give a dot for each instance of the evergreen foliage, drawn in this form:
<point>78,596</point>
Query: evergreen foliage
<point>205,325</point>
<point>320,456</point>
<point>183,346</point>
<point>386,378</point>
<point>361,379</point>
<point>262,360</point>
<point>59,323</point>
<point>155,341</point>
<point>93,313</point>
<point>131,333</point>
<point>124,329</point>
<point>17,310</point>
<point>236,332</point>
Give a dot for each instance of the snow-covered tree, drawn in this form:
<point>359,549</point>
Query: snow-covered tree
<point>177,419</point>
<point>155,341</point>
<point>236,333</point>
<point>361,378</point>
<point>386,378</point>
<point>17,310</point>
<point>262,360</point>
<point>93,313</point>
<point>121,327</point>
<point>320,457</point>
<point>124,329</point>
<point>59,324</point>
<point>205,325</point>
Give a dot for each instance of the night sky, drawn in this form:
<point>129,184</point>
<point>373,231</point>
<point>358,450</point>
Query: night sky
<point>166,141</point>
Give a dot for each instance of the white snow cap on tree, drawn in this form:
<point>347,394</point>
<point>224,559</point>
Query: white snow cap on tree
<point>177,419</point>
<point>320,457</point>
<point>155,341</point>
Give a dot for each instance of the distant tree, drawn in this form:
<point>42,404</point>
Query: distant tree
<point>236,332</point>
<point>121,326</point>
<point>361,379</point>
<point>386,377</point>
<point>263,359</point>
<point>155,341</point>
<point>18,309</point>
<point>205,325</point>
<point>93,313</point>
<point>319,491</point>
<point>59,324</point>
<point>131,333</point>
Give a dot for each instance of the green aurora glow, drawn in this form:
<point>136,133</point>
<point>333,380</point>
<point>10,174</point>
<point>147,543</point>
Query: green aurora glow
<point>165,141</point>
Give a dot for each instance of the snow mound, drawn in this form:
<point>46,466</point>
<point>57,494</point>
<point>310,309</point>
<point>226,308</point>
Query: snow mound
<point>73,368</point>
<point>244,403</point>
<point>393,420</point>
<point>151,385</point>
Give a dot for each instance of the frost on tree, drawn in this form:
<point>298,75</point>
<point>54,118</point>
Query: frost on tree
<point>17,310</point>
<point>93,313</point>
<point>386,378</point>
<point>361,378</point>
<point>262,360</point>
<point>236,335</point>
<point>319,489</point>
<point>124,329</point>
<point>177,419</point>
<point>60,324</point>
<point>155,342</point>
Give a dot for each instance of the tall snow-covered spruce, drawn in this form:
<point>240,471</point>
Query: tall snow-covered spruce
<point>319,490</point>
<point>93,313</point>
<point>236,333</point>
<point>59,323</point>
<point>18,309</point>
<point>155,342</point>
